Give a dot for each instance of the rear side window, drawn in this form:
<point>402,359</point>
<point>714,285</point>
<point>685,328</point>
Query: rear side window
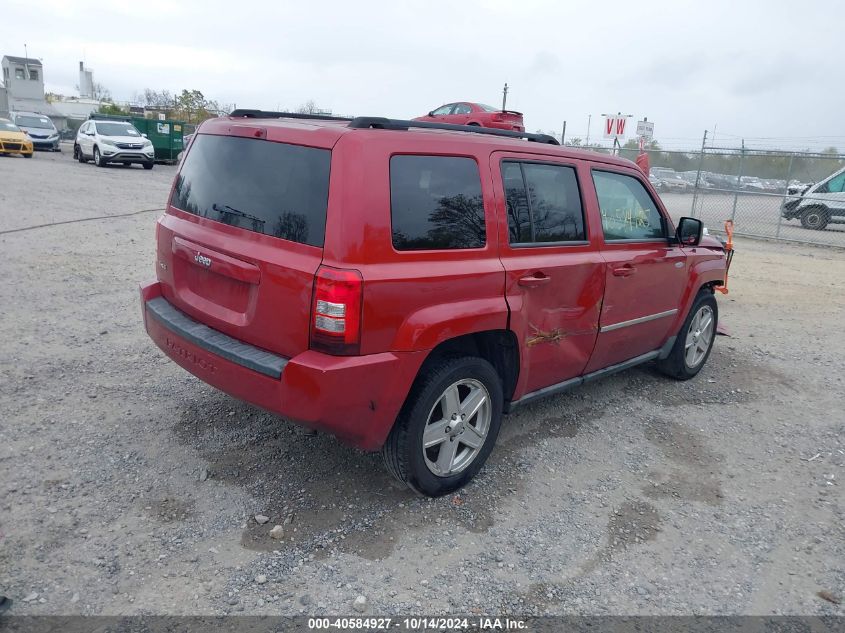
<point>627,211</point>
<point>544,203</point>
<point>271,188</point>
<point>436,203</point>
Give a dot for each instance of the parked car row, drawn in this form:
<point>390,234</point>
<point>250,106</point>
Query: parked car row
<point>39,128</point>
<point>665,179</point>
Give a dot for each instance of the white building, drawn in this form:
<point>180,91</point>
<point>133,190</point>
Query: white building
<point>23,88</point>
<point>77,109</point>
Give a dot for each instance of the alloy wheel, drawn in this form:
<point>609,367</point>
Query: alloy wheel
<point>457,427</point>
<point>699,337</point>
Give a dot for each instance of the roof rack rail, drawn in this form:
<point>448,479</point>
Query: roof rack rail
<point>267,114</point>
<point>382,123</point>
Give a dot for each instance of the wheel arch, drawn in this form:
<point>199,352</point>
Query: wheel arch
<point>500,348</point>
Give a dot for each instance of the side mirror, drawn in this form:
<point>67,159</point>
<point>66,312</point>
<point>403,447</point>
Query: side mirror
<point>689,231</point>
<point>431,113</point>
<point>144,135</point>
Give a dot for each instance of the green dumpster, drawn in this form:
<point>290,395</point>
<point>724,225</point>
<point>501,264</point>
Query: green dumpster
<point>166,135</point>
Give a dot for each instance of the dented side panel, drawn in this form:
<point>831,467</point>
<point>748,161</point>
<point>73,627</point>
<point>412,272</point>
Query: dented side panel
<point>554,294</point>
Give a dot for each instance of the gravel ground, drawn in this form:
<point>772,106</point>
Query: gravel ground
<point>129,487</point>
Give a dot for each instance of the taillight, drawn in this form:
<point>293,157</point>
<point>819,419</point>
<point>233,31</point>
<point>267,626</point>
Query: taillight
<point>336,311</point>
<point>498,118</point>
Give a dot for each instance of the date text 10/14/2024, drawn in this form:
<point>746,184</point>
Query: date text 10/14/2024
<point>419,623</point>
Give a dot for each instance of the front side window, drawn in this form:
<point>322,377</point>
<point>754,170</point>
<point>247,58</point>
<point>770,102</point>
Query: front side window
<point>834,185</point>
<point>627,211</point>
<point>446,109</point>
<point>543,203</point>
<point>272,188</point>
<point>436,203</point>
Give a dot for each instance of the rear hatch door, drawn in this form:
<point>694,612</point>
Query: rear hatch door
<point>243,235</point>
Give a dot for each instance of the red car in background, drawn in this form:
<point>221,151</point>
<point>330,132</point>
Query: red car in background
<point>466,113</point>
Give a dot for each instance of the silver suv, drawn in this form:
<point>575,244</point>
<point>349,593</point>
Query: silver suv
<point>821,204</point>
<point>107,142</point>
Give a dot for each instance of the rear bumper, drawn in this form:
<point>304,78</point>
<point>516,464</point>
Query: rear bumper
<point>505,125</point>
<point>356,398</point>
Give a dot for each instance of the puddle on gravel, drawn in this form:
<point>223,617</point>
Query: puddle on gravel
<point>730,377</point>
<point>696,479</point>
<point>526,427</point>
<point>631,524</point>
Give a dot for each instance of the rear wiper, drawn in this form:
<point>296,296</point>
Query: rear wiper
<point>225,208</point>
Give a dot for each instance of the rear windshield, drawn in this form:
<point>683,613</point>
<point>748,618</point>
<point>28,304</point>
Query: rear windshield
<point>271,188</point>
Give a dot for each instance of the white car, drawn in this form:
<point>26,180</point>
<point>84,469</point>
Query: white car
<point>107,142</point>
<point>819,205</point>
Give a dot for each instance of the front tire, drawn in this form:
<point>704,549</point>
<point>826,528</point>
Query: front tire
<point>148,166</point>
<point>447,427</point>
<point>815,218</point>
<point>98,158</point>
<point>695,340</point>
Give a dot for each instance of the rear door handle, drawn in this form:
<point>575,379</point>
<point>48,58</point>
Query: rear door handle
<point>624,271</point>
<point>532,281</point>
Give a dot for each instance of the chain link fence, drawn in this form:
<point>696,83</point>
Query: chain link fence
<point>792,196</point>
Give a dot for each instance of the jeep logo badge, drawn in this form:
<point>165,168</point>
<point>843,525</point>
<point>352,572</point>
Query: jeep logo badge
<point>202,260</point>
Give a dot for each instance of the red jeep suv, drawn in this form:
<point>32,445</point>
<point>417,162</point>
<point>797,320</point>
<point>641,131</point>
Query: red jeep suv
<point>403,284</point>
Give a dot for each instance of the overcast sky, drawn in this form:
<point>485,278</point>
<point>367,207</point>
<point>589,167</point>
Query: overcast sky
<point>768,71</point>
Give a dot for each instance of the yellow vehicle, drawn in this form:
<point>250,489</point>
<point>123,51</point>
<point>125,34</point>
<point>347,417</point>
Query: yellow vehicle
<point>13,140</point>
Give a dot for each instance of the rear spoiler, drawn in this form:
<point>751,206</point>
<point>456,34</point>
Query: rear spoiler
<point>511,112</point>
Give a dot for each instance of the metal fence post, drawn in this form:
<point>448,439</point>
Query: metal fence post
<point>785,194</point>
<point>738,180</point>
<point>698,175</point>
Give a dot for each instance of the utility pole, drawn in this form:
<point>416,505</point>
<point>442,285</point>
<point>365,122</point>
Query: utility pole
<point>563,134</point>
<point>505,97</point>
<point>589,120</point>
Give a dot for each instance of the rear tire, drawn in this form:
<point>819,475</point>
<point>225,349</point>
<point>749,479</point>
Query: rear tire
<point>77,154</point>
<point>815,218</point>
<point>456,405</point>
<point>695,339</point>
